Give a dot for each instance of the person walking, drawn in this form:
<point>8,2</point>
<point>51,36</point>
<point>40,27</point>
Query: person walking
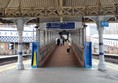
<point>68,50</point>
<point>58,41</point>
<point>69,46</point>
<point>61,41</point>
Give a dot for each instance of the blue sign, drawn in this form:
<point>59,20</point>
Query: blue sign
<point>61,25</point>
<point>104,24</point>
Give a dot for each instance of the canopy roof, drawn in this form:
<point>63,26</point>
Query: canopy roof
<point>57,9</point>
<point>54,3</point>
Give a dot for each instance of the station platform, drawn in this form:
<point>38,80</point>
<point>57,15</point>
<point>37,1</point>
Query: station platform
<point>56,72</point>
<point>58,75</point>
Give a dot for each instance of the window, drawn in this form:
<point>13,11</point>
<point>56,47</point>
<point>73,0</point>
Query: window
<point>31,33</point>
<point>16,33</point>
<point>11,33</point>
<point>26,34</point>
<point>5,33</point>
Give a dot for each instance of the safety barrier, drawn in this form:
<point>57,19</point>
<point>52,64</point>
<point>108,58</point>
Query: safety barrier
<point>79,53</point>
<point>83,54</point>
<point>39,56</point>
<point>35,54</point>
<point>45,52</point>
<point>88,54</point>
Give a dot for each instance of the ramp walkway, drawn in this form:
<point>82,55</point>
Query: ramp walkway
<point>61,58</point>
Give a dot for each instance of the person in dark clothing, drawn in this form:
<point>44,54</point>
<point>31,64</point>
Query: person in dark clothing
<point>58,41</point>
<point>63,41</point>
<point>68,50</point>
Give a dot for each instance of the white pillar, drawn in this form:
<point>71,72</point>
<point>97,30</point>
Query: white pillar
<point>101,65</point>
<point>45,36</point>
<point>20,25</point>
<point>38,36</point>
<point>50,36</point>
<point>84,33</point>
<point>78,36</point>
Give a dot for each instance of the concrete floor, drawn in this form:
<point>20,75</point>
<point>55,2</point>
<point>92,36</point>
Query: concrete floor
<point>61,58</point>
<point>53,74</point>
<point>57,75</point>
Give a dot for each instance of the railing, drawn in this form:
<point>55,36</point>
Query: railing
<point>45,52</point>
<point>115,56</point>
<point>79,52</point>
<point>13,58</point>
<point>108,57</point>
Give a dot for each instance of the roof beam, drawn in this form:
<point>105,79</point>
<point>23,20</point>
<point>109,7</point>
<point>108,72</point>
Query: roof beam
<point>60,5</point>
<point>99,6</point>
<point>19,1</point>
<point>57,12</point>
<point>113,1</point>
<point>8,3</point>
<point>57,3</point>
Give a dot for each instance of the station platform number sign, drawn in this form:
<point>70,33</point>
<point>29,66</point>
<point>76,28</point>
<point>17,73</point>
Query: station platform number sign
<point>60,25</point>
<point>104,24</point>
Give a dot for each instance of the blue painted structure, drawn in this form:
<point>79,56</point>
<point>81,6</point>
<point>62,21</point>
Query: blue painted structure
<point>35,49</point>
<point>88,55</point>
<point>61,25</point>
<point>104,24</point>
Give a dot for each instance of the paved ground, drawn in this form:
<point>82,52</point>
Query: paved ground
<point>56,75</point>
<point>64,73</point>
<point>61,58</point>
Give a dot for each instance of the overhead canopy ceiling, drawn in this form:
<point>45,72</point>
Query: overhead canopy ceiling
<point>55,10</point>
<point>54,3</point>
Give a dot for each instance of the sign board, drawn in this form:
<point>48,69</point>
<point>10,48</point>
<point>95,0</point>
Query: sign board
<point>104,24</point>
<point>61,25</point>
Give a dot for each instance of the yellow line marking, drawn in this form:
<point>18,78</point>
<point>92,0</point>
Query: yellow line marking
<point>109,65</point>
<point>7,68</point>
<point>12,66</point>
<point>34,59</point>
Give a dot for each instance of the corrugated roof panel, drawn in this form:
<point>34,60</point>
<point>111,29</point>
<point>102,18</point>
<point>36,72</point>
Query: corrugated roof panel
<point>38,3</point>
<point>90,2</point>
<point>32,3</point>
<point>13,3</point>
<point>27,3</point>
<point>116,1</point>
<point>106,2</point>
<point>73,2</point>
<point>3,3</point>
<point>52,3</point>
<point>87,2</point>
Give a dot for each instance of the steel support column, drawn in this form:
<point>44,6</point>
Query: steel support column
<point>101,65</point>
<point>20,26</point>
<point>38,36</point>
<point>45,36</point>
